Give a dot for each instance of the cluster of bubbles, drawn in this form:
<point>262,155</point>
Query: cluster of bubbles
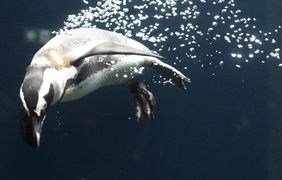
<point>59,127</point>
<point>193,30</point>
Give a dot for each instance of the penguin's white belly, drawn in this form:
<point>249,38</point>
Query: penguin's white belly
<point>125,68</point>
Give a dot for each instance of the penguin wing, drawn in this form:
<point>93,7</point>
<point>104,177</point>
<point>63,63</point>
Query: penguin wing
<point>106,47</point>
<point>81,43</point>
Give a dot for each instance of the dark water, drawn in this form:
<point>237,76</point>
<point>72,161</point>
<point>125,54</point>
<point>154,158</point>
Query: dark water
<point>224,127</point>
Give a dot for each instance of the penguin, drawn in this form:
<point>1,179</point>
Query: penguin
<point>77,62</point>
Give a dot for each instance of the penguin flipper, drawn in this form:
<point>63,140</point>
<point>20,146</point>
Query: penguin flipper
<point>170,73</point>
<point>144,101</point>
<point>90,42</point>
<point>107,48</point>
<point>80,43</point>
<point>112,47</point>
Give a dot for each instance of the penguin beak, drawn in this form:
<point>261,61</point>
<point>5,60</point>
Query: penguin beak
<point>31,128</point>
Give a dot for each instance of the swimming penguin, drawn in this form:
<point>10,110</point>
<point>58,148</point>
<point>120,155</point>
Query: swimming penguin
<point>78,62</point>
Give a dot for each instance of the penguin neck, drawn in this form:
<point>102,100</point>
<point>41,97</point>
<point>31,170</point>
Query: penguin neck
<point>58,78</point>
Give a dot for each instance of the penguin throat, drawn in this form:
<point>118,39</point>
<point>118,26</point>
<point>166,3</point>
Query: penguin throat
<point>58,78</point>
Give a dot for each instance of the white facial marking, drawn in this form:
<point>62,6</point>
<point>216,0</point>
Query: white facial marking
<point>41,103</point>
<point>58,79</point>
<point>23,101</point>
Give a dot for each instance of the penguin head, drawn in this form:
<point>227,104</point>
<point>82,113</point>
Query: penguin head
<point>36,96</point>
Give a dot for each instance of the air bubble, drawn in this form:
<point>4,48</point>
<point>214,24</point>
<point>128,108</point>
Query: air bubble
<point>227,27</point>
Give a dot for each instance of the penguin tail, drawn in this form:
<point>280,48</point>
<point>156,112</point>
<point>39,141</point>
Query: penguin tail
<point>170,73</point>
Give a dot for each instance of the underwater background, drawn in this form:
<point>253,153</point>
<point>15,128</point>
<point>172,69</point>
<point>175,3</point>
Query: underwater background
<point>226,126</point>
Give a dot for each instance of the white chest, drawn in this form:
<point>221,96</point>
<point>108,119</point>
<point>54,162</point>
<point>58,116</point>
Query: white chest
<point>125,69</point>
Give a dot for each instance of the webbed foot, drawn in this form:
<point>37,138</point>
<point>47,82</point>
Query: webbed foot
<point>144,101</point>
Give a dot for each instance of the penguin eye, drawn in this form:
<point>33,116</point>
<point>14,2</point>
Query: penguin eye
<point>45,105</point>
<point>44,109</point>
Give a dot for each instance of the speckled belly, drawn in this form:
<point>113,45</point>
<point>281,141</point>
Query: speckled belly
<point>125,68</point>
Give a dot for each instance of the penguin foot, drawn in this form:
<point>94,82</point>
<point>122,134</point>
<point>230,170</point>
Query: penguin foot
<point>144,101</point>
